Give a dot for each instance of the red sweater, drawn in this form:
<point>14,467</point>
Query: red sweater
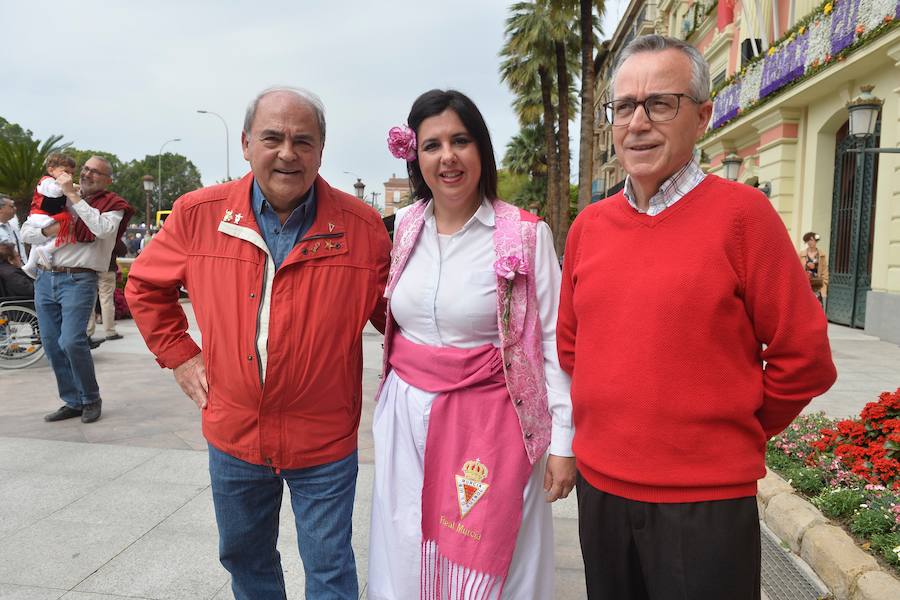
<point>662,325</point>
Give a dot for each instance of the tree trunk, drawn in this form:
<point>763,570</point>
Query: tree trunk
<point>586,146</point>
<point>552,154</point>
<point>562,82</point>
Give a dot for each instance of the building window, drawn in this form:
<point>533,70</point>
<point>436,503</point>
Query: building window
<point>718,79</point>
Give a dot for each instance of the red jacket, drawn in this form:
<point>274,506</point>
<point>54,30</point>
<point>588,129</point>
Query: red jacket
<point>283,350</point>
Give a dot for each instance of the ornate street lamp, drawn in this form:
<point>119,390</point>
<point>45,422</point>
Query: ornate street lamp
<point>148,193</point>
<point>360,188</point>
<point>732,165</point>
<point>864,111</point>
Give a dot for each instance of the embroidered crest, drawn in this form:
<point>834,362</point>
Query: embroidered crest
<point>315,248</point>
<point>470,486</point>
<point>328,245</point>
<point>229,214</point>
<point>237,218</point>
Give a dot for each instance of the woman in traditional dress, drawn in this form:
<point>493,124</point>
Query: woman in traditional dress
<point>473,426</point>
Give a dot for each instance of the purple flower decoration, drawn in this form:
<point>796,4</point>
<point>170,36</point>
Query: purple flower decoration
<point>402,142</point>
<point>507,267</point>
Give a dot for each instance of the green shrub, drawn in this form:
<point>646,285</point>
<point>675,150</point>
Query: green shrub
<point>868,522</point>
<point>838,503</point>
<point>806,480</point>
<point>888,545</point>
<point>779,461</point>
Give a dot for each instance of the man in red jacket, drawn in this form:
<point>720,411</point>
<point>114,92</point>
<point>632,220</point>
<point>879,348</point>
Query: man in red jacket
<point>283,272</point>
<point>691,336</point>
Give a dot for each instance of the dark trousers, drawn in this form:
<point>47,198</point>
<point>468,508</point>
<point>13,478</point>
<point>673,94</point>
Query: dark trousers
<point>686,551</point>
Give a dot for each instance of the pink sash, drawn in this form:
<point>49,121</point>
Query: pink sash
<point>476,468</point>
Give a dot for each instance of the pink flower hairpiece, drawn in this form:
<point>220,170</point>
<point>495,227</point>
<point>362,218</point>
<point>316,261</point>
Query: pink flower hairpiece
<point>402,142</point>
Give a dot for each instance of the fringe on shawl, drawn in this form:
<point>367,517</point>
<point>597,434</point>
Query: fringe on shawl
<point>442,579</point>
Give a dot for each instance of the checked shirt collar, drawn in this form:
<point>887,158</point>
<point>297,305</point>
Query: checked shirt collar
<point>672,189</point>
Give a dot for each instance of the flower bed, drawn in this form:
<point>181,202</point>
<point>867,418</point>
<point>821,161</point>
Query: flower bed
<point>849,469</point>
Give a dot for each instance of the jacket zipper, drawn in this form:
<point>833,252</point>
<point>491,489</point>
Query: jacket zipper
<point>265,277</point>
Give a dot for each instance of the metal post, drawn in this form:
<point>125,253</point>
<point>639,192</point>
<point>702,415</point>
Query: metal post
<point>159,179</point>
<point>227,138</point>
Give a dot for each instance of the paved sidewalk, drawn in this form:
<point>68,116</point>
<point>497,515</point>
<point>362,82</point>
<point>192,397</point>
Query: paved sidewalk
<point>122,509</point>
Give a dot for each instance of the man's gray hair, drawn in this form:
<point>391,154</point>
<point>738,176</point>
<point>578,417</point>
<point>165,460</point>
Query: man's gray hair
<point>105,162</point>
<point>312,100</point>
<point>699,85</point>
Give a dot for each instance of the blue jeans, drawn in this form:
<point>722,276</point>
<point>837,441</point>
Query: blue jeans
<point>64,302</point>
<point>247,500</point>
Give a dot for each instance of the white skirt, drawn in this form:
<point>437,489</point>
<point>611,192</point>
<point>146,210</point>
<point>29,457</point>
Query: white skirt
<point>400,427</point>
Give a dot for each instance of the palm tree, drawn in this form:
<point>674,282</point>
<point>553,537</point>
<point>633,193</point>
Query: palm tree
<point>588,24</point>
<point>22,165</point>
<point>525,152</point>
<point>538,56</point>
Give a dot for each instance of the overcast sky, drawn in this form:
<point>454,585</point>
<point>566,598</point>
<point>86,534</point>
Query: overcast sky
<point>127,76</point>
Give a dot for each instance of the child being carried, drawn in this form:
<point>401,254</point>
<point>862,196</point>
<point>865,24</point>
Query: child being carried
<point>48,206</point>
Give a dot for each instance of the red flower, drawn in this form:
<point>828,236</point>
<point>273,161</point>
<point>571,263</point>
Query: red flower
<point>873,410</point>
<point>851,429</point>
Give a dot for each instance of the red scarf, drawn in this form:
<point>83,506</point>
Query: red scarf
<point>104,201</point>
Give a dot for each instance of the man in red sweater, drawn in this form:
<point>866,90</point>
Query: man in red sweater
<point>691,336</point>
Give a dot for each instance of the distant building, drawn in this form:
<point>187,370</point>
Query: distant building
<point>782,75</point>
<point>396,194</point>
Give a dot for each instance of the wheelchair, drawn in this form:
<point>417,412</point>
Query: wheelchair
<point>20,336</point>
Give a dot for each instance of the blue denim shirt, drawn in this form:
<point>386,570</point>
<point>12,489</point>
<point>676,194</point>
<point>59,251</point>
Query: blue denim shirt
<point>279,238</point>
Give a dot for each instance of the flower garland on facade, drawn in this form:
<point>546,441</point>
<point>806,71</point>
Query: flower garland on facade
<point>828,34</point>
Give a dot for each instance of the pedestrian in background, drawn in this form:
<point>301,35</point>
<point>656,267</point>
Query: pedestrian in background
<point>473,427</point>
<point>9,230</point>
<point>13,280</point>
<point>815,264</point>
<point>106,289</point>
<point>283,272</point>
<point>691,338</point>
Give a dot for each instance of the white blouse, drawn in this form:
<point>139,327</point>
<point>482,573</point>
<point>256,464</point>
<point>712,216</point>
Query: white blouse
<point>447,296</point>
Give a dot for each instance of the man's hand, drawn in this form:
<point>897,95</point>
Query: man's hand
<point>68,186</point>
<point>559,479</point>
<point>50,230</point>
<point>191,377</point>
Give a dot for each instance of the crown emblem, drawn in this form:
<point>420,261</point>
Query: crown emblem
<point>470,486</point>
<point>475,470</point>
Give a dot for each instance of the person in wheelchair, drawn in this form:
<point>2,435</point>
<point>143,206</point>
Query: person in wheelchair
<point>14,283</point>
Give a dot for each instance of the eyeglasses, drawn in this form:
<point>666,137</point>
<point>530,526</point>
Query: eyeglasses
<point>657,107</point>
<point>94,172</point>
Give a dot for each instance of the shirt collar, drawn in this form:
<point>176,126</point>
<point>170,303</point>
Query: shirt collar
<point>672,189</point>
<point>484,214</point>
<point>261,204</point>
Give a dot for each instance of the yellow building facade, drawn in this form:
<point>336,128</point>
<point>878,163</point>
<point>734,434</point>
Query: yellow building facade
<point>783,74</point>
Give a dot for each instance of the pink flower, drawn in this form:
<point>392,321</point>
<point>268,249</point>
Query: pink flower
<point>507,267</point>
<point>402,142</point>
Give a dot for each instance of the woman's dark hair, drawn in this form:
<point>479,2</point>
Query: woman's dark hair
<point>433,103</point>
<point>810,235</point>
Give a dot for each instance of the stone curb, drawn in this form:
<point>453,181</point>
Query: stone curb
<point>848,571</point>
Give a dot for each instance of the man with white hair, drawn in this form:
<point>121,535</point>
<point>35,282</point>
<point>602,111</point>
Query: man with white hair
<point>9,230</point>
<point>691,336</point>
<point>283,272</point>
